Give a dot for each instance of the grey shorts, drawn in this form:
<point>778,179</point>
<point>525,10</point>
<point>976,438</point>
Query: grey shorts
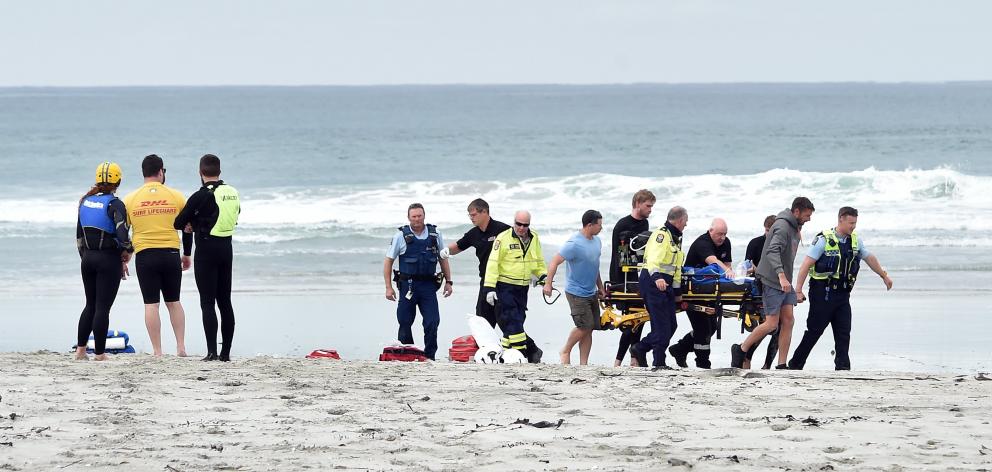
<point>774,299</point>
<point>585,311</point>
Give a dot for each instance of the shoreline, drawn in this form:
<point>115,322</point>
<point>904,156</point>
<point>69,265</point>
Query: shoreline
<point>262,413</point>
<point>908,332</point>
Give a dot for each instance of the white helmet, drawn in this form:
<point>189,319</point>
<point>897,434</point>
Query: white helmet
<point>487,356</point>
<point>513,356</point>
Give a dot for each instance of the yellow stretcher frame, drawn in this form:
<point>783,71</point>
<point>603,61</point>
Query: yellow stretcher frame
<point>714,303</point>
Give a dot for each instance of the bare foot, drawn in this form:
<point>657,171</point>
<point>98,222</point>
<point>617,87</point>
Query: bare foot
<point>101,357</point>
<point>565,357</point>
<point>157,354</point>
<point>81,356</point>
<point>746,364</point>
<point>633,362</point>
<point>616,363</point>
<point>181,353</point>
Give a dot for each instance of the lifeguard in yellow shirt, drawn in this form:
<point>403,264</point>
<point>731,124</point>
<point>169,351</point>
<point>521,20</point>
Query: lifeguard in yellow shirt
<point>151,211</point>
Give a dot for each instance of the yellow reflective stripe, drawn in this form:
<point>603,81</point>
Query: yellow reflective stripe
<point>668,269</point>
<point>515,338</point>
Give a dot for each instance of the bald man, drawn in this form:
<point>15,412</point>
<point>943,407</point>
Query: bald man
<point>711,247</point>
<point>516,260</point>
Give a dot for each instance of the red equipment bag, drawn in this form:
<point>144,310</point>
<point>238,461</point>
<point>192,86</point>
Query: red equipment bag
<point>403,353</point>
<point>463,349</point>
<point>323,354</point>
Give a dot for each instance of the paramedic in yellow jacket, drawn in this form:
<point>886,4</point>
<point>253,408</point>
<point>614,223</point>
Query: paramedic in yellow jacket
<point>659,282</point>
<point>515,260</point>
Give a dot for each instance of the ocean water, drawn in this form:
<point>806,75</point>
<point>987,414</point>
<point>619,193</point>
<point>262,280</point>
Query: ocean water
<point>327,172</point>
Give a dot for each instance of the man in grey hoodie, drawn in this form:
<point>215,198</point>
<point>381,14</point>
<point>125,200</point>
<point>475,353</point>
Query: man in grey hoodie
<point>775,273</point>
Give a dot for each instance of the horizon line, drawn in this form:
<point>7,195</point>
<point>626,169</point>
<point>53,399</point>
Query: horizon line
<point>512,84</point>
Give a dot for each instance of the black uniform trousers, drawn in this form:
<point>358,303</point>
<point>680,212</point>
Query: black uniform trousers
<point>492,316</point>
<point>661,310</point>
<point>826,307</point>
<point>698,340</point>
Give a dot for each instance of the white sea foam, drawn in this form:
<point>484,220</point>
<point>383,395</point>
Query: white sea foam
<point>939,202</point>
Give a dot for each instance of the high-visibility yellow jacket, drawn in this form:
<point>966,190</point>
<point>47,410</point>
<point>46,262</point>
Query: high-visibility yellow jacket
<point>509,261</point>
<point>663,255</point>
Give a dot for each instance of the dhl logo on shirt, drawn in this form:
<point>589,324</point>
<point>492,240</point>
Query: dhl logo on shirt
<point>154,207</point>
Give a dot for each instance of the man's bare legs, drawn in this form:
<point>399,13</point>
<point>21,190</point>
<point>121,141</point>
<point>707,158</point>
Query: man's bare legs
<point>178,318</point>
<point>764,329</point>
<point>582,337</point>
<point>785,333</point>
<point>154,327</point>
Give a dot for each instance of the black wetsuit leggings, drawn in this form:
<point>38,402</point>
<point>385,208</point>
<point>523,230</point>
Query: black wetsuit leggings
<point>101,270</point>
<point>212,264</point>
<point>627,338</point>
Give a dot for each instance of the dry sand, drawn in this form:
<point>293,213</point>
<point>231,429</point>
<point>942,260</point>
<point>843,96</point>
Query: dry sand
<point>141,413</point>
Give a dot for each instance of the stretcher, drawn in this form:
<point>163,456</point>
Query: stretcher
<point>704,290</point>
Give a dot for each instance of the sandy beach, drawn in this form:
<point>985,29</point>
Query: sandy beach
<point>142,413</point>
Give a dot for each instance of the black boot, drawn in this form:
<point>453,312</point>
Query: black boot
<point>679,355</point>
<point>702,358</point>
<point>534,357</point>
<point>736,356</point>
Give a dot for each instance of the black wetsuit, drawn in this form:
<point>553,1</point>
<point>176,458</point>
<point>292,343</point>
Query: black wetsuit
<point>627,227</point>
<point>212,266</point>
<point>101,269</point>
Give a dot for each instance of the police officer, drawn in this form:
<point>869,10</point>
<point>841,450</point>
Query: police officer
<point>417,246</point>
<point>832,264</point>
<point>659,282</point>
<point>104,250</point>
<point>516,260</point>
<point>711,247</point>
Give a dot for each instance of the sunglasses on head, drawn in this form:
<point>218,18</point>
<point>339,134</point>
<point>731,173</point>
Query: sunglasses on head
<point>522,225</point>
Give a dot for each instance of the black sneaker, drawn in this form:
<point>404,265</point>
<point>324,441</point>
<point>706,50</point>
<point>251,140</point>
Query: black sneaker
<point>736,356</point>
<point>640,357</point>
<point>661,367</point>
<point>679,357</point>
<point>782,367</point>
<point>210,357</point>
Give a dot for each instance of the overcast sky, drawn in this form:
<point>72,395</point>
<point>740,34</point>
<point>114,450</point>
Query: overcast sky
<point>202,42</point>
